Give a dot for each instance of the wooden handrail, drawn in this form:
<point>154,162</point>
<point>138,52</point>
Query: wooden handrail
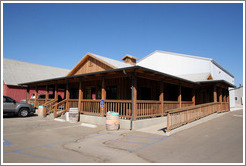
<point>119,101</point>
<point>48,102</point>
<point>189,107</point>
<point>56,106</point>
<point>61,102</point>
<point>186,102</point>
<point>170,102</point>
<point>180,116</point>
<point>148,101</point>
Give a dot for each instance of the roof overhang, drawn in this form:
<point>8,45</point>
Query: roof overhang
<point>218,82</point>
<point>139,71</point>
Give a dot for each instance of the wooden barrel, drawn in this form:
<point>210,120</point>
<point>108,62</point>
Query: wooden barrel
<point>112,121</point>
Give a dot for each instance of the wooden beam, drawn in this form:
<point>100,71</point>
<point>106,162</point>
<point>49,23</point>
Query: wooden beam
<point>180,97</point>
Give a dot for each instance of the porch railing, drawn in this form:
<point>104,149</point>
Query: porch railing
<point>60,108</point>
<point>148,109</point>
<point>186,103</point>
<point>168,105</point>
<point>224,106</point>
<point>73,103</point>
<point>181,116</point>
<point>123,107</point>
<point>89,106</point>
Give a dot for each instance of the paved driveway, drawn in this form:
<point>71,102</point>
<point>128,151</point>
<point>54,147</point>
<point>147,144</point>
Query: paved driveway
<point>34,140</point>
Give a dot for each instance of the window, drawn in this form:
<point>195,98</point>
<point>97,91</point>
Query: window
<point>8,100</point>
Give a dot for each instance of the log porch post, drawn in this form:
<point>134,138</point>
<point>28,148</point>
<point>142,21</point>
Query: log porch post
<point>27,94</point>
<point>104,95</point>
<point>220,98</point>
<point>193,96</point>
<point>180,97</point>
<point>36,96</point>
<point>215,93</point>
<point>56,91</point>
<point>67,95</point>
<point>228,99</point>
<point>80,98</point>
<point>134,97</point>
<point>46,93</point>
<point>161,98</point>
<point>224,95</point>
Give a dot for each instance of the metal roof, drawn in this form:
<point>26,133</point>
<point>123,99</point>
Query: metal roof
<point>115,63</point>
<point>189,56</point>
<point>17,72</point>
<point>195,77</point>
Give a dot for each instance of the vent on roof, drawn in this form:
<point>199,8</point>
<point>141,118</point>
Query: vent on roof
<point>130,59</point>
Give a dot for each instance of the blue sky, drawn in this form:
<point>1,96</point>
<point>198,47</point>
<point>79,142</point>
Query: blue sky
<point>61,34</point>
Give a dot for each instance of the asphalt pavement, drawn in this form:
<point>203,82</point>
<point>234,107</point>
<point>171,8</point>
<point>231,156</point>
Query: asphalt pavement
<point>37,140</point>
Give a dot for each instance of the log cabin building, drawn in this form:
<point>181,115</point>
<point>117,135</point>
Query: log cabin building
<point>134,91</point>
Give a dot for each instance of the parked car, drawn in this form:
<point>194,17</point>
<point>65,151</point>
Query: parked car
<point>10,106</point>
<point>42,96</point>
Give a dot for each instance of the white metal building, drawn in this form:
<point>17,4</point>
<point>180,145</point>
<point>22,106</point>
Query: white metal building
<point>189,67</point>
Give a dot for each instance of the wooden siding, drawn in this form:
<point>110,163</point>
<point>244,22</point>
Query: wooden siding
<point>92,65</point>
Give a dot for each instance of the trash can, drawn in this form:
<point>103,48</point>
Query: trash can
<point>73,115</point>
<point>40,110</point>
<point>112,121</point>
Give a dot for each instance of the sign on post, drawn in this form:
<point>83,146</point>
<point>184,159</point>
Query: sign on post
<point>102,103</point>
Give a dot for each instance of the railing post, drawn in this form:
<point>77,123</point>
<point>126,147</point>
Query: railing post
<point>168,122</point>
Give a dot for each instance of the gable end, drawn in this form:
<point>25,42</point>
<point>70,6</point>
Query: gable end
<point>89,64</point>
